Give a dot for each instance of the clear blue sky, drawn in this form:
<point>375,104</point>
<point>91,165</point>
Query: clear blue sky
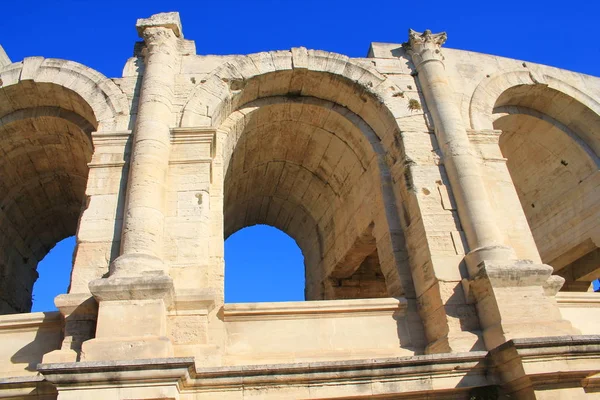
<point>101,34</point>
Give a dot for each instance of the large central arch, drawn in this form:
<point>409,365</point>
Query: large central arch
<point>306,146</point>
<point>303,166</point>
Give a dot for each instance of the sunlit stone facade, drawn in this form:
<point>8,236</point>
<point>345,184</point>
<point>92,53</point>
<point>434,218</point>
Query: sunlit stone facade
<point>447,204</point>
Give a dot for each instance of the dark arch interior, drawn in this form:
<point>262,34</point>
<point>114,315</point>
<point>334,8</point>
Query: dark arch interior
<point>45,146</point>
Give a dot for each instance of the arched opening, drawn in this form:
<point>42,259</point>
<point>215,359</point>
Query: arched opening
<point>299,165</point>
<point>54,272</point>
<point>552,158</point>
<point>262,264</point>
<point>306,140</point>
<point>45,146</point>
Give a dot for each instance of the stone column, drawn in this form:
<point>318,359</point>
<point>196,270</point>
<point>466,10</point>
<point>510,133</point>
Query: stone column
<point>133,301</point>
<point>143,224</point>
<point>462,165</point>
<point>505,289</point>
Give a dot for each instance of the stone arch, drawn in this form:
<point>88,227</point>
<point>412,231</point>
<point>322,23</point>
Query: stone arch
<point>551,140</point>
<point>352,91</point>
<point>299,72</point>
<point>48,111</point>
<point>108,105</point>
<point>587,151</point>
<point>562,100</point>
<point>317,153</point>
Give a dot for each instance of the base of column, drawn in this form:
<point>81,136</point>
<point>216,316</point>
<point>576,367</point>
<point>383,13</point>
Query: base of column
<point>488,254</point>
<point>560,367</point>
<point>132,318</point>
<point>150,286</point>
<point>517,300</point>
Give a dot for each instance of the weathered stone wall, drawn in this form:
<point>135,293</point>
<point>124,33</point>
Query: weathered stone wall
<point>428,189</point>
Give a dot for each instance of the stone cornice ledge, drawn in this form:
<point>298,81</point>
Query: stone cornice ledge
<point>550,342</point>
<point>95,372</point>
<point>300,309</point>
<point>22,387</point>
<point>398,368</point>
<point>403,374</point>
<point>578,299</point>
<point>546,361</point>
<point>17,321</point>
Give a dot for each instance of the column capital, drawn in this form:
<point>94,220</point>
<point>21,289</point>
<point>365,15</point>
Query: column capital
<point>168,20</point>
<point>425,46</point>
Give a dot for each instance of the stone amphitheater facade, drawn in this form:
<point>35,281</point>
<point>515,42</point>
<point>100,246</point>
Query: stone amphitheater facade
<point>447,204</point>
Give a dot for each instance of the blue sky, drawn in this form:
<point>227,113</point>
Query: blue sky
<point>101,34</point>
<point>262,264</point>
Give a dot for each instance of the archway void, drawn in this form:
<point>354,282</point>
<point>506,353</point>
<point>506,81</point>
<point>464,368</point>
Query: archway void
<point>45,146</point>
<point>54,275</point>
<point>554,167</point>
<point>302,166</point>
<point>263,264</point>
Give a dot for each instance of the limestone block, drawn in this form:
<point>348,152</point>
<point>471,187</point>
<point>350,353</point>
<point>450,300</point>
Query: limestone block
<point>131,318</point>
<point>246,327</point>
<point>299,57</point>
<point>188,329</point>
<point>79,311</point>
<point>26,338</point>
<point>4,60</point>
<point>282,60</point>
<point>99,230</point>
<point>577,308</point>
<point>91,261</point>
<point>168,20</point>
<point>146,347</point>
<point>263,62</point>
<point>30,67</point>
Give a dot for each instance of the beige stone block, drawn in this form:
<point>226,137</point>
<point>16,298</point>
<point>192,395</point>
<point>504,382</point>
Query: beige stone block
<point>121,319</point>
<point>26,338</point>
<point>187,329</point>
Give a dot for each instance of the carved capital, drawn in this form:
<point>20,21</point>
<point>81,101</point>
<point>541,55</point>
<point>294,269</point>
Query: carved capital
<point>158,39</point>
<point>425,46</point>
<point>160,33</point>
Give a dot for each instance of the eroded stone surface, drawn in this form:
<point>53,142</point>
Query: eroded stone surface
<point>433,193</point>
